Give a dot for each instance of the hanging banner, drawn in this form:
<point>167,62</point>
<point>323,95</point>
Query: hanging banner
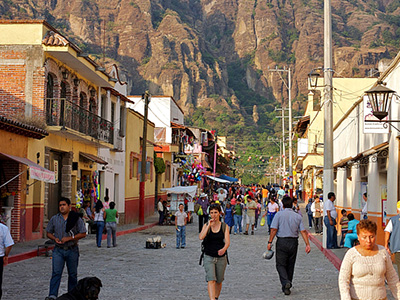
<point>372,127</point>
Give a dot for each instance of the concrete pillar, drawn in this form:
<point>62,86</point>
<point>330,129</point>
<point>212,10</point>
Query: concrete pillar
<point>356,191</point>
<point>374,187</point>
<point>341,193</point>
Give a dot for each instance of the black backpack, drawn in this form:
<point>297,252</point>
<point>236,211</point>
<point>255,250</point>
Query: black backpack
<point>203,244</point>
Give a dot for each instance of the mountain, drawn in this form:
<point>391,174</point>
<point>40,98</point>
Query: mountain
<point>213,56</point>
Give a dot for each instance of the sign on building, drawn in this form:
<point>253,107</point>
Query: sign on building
<point>372,127</point>
<point>302,147</point>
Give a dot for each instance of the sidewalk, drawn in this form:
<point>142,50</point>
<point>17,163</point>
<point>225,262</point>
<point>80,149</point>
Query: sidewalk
<point>26,250</point>
<point>335,256</point>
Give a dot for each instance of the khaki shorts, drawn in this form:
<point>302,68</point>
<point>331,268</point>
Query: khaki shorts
<point>215,268</point>
<point>251,220</point>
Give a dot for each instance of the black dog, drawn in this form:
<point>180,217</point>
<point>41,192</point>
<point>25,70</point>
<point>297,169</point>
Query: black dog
<point>88,288</point>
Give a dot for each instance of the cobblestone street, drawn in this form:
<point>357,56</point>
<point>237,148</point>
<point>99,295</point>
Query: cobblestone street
<point>130,271</point>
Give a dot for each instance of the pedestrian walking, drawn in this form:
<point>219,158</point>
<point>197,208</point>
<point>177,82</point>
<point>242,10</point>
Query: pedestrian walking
<point>237,217</point>
<point>251,214</point>
<point>6,243</point>
<point>330,216</point>
<point>317,208</point>
<point>392,237</point>
<point>229,217</point>
<point>364,211</point>
<point>111,225</point>
<point>286,226</point>
<point>272,209</point>
<point>366,267</point>
<point>99,216</point>
<point>160,208</point>
<point>309,213</point>
<point>180,226</point>
<point>257,215</point>
<point>65,229</point>
<point>202,213</point>
<point>216,242</point>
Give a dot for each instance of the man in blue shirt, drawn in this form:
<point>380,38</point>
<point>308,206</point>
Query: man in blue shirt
<point>6,243</point>
<point>287,225</point>
<point>65,229</point>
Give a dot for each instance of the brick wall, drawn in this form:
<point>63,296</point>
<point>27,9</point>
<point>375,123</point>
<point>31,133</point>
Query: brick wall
<point>11,169</point>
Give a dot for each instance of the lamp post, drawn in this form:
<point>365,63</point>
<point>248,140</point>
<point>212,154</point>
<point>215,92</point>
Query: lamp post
<point>143,163</point>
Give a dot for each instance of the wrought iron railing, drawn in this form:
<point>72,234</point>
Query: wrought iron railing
<point>62,112</point>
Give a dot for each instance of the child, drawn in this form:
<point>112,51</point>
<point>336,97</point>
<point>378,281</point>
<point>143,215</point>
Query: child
<point>229,217</point>
<point>344,223</point>
<point>180,226</point>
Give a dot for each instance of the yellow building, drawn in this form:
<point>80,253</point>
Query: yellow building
<point>47,80</point>
<point>310,129</point>
<point>134,128</point>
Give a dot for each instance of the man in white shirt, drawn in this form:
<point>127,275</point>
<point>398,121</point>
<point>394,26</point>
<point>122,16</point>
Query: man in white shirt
<point>6,243</point>
<point>330,215</point>
<point>180,226</point>
<point>160,208</point>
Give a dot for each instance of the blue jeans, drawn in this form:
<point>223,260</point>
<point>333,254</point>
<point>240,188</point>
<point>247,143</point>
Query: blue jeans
<point>331,234</point>
<point>270,217</point>
<point>111,230</point>
<point>310,220</point>
<point>181,236</point>
<point>99,232</point>
<point>238,223</point>
<point>60,257</point>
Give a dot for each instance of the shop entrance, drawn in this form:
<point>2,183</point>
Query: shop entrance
<point>54,189</point>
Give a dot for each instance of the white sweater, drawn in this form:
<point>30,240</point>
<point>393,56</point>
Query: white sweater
<point>363,277</point>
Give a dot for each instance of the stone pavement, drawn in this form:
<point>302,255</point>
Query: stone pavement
<point>130,271</point>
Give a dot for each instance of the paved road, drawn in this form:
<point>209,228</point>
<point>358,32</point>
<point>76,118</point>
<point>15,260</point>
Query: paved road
<point>130,271</point>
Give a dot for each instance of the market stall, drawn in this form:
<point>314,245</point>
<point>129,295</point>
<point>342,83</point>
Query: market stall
<point>178,194</point>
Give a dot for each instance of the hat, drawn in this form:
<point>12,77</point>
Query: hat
<point>268,254</point>
<point>203,195</point>
<point>217,202</point>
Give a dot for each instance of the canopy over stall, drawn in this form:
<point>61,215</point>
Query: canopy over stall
<point>231,179</point>
<point>190,190</point>
<point>218,179</point>
<point>36,171</point>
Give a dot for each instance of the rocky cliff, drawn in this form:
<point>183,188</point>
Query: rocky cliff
<point>216,54</point>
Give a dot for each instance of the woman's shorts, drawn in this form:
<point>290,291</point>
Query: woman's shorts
<point>215,268</point>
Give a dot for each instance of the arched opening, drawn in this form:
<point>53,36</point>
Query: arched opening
<point>51,116</point>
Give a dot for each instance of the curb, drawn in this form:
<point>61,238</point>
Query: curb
<point>34,253</point>
<point>336,261</point>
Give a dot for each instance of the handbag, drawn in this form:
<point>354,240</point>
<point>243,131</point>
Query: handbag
<point>262,222</point>
<point>200,211</point>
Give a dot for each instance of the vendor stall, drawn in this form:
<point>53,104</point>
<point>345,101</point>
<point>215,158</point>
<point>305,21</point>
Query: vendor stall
<point>178,194</point>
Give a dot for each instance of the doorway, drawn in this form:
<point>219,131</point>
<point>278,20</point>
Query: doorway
<point>54,189</point>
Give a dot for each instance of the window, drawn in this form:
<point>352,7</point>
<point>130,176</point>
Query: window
<point>167,171</point>
<point>103,106</point>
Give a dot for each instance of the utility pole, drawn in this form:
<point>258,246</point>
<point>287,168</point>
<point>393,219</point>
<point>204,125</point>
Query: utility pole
<point>283,153</point>
<point>288,85</point>
<point>328,113</point>
<point>143,163</point>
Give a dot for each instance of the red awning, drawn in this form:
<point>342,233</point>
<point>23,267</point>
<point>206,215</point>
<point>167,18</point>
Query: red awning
<point>36,171</point>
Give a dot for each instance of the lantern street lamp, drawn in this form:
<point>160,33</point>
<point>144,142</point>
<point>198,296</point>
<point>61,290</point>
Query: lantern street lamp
<point>380,98</point>
<point>313,78</point>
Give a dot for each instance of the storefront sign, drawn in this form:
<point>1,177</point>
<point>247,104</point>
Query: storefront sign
<point>56,170</point>
<point>302,147</point>
<point>42,174</point>
<point>372,127</point>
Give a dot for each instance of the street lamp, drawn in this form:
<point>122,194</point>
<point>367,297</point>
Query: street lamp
<point>313,78</point>
<point>380,98</point>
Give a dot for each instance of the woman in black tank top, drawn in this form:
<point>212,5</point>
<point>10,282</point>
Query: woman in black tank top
<point>216,242</point>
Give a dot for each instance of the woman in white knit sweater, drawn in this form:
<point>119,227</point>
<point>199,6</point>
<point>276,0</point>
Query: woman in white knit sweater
<point>366,267</point>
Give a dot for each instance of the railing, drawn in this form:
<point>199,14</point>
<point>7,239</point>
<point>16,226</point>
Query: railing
<point>62,112</point>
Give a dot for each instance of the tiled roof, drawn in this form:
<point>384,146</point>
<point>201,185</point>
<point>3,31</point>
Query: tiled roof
<point>21,128</point>
<point>54,39</point>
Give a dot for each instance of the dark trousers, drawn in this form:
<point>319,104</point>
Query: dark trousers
<point>1,275</point>
<point>331,234</point>
<point>318,224</point>
<point>161,218</point>
<point>202,220</point>
<point>286,252</point>
<point>310,220</point>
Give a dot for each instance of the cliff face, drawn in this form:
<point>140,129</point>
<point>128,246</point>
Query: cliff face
<point>200,50</point>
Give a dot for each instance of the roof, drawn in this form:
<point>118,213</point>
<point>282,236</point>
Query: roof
<point>93,158</point>
<point>360,155</point>
<point>54,39</point>
<point>302,124</point>
<point>118,94</point>
<point>176,125</point>
<point>20,128</point>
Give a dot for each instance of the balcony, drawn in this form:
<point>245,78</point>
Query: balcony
<point>63,115</point>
